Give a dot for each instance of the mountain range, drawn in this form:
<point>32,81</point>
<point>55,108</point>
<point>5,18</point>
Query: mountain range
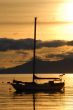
<point>61,66</point>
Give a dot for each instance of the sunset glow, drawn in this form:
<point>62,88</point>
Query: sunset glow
<point>65,11</point>
<point>54,19</point>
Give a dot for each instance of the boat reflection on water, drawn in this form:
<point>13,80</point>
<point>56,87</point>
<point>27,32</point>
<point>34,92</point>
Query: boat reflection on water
<point>33,99</point>
<point>38,101</point>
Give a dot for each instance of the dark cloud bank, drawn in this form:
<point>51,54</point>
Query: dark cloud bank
<point>11,44</point>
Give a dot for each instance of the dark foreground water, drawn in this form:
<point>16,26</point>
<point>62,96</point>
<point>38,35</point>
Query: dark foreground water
<point>9,100</point>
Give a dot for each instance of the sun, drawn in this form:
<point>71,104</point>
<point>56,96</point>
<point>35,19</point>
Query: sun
<point>65,12</point>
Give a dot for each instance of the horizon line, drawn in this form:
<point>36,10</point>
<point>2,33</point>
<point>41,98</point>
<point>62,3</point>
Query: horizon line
<point>48,22</point>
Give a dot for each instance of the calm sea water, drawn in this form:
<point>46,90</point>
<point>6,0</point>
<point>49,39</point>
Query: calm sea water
<point>39,101</point>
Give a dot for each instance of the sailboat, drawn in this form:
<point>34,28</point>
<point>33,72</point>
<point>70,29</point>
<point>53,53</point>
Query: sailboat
<point>53,85</point>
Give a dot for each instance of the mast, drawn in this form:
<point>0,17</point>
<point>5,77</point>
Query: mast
<point>34,48</point>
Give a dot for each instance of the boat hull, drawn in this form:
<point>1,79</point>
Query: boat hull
<point>38,87</point>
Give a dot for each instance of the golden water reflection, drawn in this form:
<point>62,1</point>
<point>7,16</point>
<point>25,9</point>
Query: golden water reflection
<point>43,101</point>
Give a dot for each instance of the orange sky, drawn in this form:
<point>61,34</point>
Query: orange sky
<point>17,17</point>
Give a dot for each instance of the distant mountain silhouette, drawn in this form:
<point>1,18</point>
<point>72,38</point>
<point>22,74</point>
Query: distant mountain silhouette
<point>11,44</point>
<point>61,66</point>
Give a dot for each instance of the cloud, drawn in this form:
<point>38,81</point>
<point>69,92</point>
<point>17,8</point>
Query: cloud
<point>61,56</point>
<point>70,43</point>
<point>55,43</point>
<point>11,44</point>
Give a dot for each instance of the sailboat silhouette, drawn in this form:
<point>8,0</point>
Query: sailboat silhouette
<point>53,85</point>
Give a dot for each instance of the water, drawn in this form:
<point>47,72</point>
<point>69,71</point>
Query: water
<point>9,100</point>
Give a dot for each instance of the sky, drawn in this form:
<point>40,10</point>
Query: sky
<point>54,19</point>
